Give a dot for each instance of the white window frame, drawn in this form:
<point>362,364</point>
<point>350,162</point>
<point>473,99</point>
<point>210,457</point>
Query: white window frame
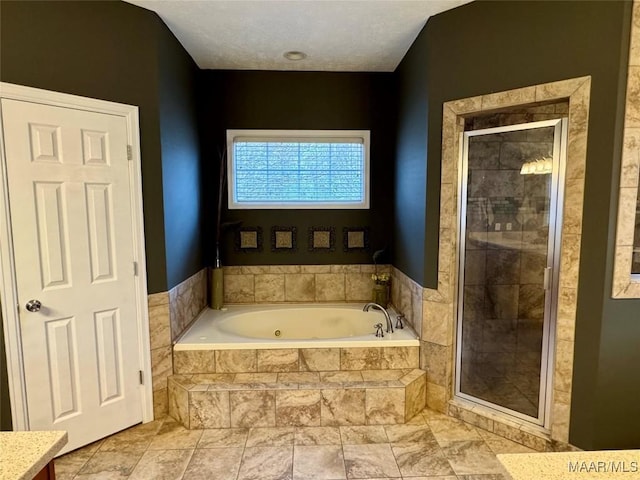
<point>293,136</point>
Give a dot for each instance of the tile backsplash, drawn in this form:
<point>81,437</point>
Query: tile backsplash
<point>299,283</point>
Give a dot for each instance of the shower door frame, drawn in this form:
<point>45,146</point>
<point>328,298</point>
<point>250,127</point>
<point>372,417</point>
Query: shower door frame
<point>551,281</point>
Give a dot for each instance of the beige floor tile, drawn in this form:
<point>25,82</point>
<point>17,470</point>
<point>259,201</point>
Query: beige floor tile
<point>317,436</point>
<point>162,465</point>
<point>323,462</point>
<point>111,464</point>
<point>266,463</point>
<point>223,437</point>
<point>369,461</point>
<point>173,435</point>
<point>416,459</point>
<point>363,435</point>
<point>214,464</point>
<point>449,429</point>
<point>401,434</point>
<point>270,437</point>
<point>472,458</point>
<point>499,444</point>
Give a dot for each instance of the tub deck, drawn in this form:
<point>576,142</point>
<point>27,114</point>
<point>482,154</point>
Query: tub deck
<point>244,400</point>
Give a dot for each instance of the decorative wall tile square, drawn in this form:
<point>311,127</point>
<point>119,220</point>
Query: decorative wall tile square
<point>283,239</point>
<point>249,239</point>
<point>322,239</point>
<point>355,239</point>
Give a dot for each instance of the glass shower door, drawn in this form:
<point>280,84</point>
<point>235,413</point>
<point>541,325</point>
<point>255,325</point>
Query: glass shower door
<point>506,299</point>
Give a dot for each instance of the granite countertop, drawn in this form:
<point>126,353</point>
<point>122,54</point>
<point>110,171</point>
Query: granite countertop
<point>24,454</point>
<point>597,465</point>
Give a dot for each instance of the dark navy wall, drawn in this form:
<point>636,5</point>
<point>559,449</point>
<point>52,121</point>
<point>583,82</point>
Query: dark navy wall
<point>301,100</point>
<point>181,167</point>
<point>491,46</point>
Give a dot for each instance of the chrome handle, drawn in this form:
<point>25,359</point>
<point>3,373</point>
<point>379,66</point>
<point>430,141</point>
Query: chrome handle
<point>400,321</point>
<point>33,305</point>
<point>378,327</point>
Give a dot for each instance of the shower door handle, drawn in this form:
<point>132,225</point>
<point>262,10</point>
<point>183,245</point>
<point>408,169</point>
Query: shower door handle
<point>547,278</point>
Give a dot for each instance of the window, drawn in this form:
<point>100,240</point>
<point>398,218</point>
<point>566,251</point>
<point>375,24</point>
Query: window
<point>298,169</point>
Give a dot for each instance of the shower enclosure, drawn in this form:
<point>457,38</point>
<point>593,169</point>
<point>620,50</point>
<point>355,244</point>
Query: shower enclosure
<point>507,292</point>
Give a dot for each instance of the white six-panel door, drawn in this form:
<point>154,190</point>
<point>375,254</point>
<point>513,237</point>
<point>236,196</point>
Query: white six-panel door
<point>72,229</point>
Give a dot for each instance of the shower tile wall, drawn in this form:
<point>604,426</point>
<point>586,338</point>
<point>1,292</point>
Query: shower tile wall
<point>505,256</point>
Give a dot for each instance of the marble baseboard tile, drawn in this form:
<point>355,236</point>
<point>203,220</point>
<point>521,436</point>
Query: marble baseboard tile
<point>437,363</point>
<point>292,360</point>
<point>269,287</point>
<point>437,397</point>
<point>415,395</point>
<point>299,283</point>
<point>278,360</point>
<point>252,408</point>
<point>236,361</point>
<point>186,301</point>
<point>161,367</point>
<point>159,325</point>
<point>300,287</point>
<point>194,361</point>
<point>471,417</point>
<point>160,403</point>
<point>437,324</point>
<point>399,357</point>
<point>342,407</point>
<point>209,410</point>
<point>366,358</point>
<point>298,408</point>
<point>319,359</point>
<point>384,406</point>
<point>178,399</point>
<point>358,287</point>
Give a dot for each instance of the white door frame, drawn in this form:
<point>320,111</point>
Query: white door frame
<point>8,291</point>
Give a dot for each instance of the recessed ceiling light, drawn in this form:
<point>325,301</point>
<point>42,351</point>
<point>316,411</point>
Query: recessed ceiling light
<point>294,55</point>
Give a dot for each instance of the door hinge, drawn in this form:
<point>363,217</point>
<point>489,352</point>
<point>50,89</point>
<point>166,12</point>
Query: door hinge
<point>141,374</point>
<point>129,152</point>
<point>135,269</point>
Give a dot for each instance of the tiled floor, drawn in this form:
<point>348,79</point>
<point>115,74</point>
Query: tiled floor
<point>431,447</point>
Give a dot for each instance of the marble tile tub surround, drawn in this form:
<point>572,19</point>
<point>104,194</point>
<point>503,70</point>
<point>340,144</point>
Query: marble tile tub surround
<point>628,227</point>
<point>242,400</point>
<point>299,283</point>
<point>294,360</point>
<point>439,307</point>
<point>169,315</point>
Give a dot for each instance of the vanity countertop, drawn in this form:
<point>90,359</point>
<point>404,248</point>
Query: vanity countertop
<point>593,465</point>
<point>24,454</point>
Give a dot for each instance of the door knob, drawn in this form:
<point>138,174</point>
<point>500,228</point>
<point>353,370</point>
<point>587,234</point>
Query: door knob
<point>33,305</point>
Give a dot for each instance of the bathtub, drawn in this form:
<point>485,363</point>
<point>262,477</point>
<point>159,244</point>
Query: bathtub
<point>292,326</point>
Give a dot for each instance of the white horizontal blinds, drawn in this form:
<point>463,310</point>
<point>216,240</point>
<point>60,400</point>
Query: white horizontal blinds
<point>299,170</point>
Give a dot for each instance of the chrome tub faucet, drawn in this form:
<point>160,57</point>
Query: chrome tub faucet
<point>377,306</point>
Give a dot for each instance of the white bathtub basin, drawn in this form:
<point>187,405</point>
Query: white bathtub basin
<point>291,326</point>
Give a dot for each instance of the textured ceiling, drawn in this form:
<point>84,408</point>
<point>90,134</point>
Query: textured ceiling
<point>336,35</point>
